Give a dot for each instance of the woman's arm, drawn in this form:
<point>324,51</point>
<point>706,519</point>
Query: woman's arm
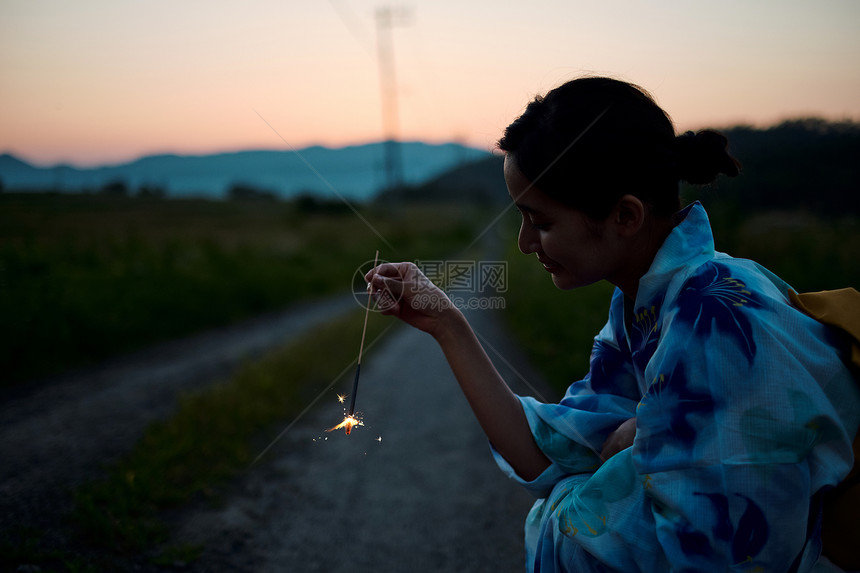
<point>497,408</point>
<point>403,291</point>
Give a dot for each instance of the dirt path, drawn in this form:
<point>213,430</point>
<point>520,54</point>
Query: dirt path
<point>427,497</point>
<point>60,433</point>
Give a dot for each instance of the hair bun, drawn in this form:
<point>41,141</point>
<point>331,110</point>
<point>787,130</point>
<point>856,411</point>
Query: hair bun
<point>702,156</point>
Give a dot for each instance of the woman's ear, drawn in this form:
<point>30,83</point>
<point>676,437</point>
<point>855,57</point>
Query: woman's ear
<point>628,216</point>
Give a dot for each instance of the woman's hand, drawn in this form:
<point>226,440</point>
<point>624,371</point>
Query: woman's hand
<point>402,290</point>
<point>620,439</point>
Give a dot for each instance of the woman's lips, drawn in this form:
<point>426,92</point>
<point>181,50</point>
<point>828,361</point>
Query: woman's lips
<point>550,267</point>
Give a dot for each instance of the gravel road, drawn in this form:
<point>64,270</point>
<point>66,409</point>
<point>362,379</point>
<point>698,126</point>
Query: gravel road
<point>59,433</point>
<point>415,489</point>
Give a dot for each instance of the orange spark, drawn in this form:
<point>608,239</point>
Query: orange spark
<point>349,422</point>
<point>341,398</point>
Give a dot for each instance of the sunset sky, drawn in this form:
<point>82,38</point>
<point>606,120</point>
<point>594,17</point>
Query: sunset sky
<point>91,82</point>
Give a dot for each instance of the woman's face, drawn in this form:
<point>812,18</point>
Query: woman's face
<point>574,249</point>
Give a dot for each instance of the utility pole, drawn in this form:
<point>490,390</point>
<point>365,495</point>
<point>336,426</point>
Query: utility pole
<point>386,18</point>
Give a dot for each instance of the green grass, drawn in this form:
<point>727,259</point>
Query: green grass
<point>85,277</point>
<point>213,435</point>
<point>808,252</point>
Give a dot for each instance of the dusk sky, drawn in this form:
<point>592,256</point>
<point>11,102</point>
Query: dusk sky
<point>91,82</point>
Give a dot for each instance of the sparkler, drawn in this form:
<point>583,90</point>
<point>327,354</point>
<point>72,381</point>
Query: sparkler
<point>350,421</point>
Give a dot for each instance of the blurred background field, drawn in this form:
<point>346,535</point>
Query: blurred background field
<point>88,276</point>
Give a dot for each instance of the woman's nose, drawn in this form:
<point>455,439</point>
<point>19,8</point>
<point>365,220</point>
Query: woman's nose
<point>527,240</point>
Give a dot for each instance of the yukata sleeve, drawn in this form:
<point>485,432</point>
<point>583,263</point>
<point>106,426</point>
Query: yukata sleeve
<point>746,417</point>
<point>750,412</point>
<point>572,432</point>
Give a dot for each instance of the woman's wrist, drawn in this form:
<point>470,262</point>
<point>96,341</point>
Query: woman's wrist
<point>450,325</point>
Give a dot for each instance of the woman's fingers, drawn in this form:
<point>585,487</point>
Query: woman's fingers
<point>387,284</point>
<point>397,278</point>
<point>387,293</point>
<point>391,284</point>
<point>388,270</point>
<point>402,290</point>
<point>383,291</point>
<point>620,439</point>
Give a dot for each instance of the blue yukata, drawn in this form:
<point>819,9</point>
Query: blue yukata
<point>745,413</point>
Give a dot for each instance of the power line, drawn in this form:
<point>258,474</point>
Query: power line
<point>386,18</point>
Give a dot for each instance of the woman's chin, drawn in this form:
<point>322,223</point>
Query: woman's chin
<point>562,282</point>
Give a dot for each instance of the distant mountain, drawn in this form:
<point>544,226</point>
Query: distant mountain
<point>355,172</point>
<point>11,164</point>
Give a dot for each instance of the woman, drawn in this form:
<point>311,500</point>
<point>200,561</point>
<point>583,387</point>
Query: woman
<point>714,415</point>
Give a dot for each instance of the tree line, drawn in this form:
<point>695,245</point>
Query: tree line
<point>808,163</point>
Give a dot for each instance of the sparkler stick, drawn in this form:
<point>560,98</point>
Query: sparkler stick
<point>350,414</point>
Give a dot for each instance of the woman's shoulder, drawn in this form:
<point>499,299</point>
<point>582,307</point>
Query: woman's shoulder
<point>738,299</point>
<point>723,279</point>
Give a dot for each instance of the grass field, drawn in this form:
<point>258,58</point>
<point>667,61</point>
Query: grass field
<point>809,252</point>
<point>84,277</point>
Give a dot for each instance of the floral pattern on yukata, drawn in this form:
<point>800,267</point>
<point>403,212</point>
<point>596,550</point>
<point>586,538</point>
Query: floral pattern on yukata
<point>715,303</point>
<point>645,333</point>
<point>678,402</point>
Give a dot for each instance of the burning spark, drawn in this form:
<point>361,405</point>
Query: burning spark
<point>379,439</point>
<point>341,398</point>
<point>349,422</point>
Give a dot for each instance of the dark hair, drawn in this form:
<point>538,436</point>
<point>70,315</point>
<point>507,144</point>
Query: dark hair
<point>594,139</point>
